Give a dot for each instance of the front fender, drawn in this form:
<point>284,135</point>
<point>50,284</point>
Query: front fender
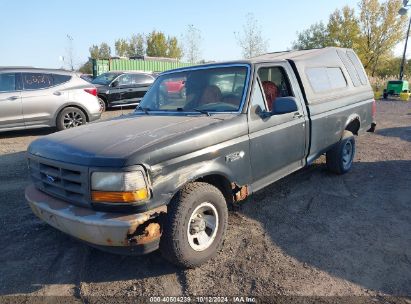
<point>231,162</point>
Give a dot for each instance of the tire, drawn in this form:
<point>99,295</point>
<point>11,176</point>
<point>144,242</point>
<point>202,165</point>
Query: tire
<point>179,243</point>
<point>103,105</point>
<point>70,117</point>
<point>340,158</point>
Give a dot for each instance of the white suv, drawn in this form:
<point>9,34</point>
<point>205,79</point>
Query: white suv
<point>34,98</point>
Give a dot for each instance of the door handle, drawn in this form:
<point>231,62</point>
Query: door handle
<point>298,115</point>
<point>12,98</point>
<point>57,93</point>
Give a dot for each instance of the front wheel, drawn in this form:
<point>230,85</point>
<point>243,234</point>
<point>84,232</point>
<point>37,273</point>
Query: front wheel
<point>195,226</point>
<point>340,158</point>
<point>70,117</point>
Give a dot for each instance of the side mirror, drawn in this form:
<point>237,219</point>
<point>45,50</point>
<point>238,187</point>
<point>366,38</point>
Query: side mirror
<point>115,83</point>
<point>284,105</point>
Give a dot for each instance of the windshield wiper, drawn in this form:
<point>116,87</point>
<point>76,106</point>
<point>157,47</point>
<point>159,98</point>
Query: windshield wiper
<point>202,111</point>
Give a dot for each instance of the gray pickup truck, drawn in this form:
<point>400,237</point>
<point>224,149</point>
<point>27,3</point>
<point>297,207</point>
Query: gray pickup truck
<point>163,176</point>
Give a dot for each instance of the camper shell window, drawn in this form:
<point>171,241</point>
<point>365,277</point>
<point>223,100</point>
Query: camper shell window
<point>324,79</point>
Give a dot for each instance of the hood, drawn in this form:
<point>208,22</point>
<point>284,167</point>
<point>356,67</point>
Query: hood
<point>111,143</point>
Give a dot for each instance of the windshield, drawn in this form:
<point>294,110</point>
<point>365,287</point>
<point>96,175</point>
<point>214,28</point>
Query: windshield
<point>214,89</point>
<point>105,78</point>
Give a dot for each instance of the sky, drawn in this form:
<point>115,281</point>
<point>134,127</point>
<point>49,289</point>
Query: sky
<point>34,33</point>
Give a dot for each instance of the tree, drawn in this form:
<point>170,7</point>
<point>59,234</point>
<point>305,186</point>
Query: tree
<point>251,40</point>
<point>174,49</point>
<point>122,47</point>
<point>381,30</point>
<point>86,68</point>
<point>157,44</point>
<point>100,52</point>
<point>316,36</point>
<point>373,34</point>
<point>343,28</point>
<point>192,41</point>
<point>136,46</point>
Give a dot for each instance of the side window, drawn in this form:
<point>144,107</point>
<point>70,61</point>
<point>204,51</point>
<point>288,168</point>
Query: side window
<point>8,82</point>
<point>141,79</point>
<point>350,68</point>
<point>36,81</point>
<point>325,79</point>
<point>275,84</point>
<point>59,79</point>
<point>358,66</point>
<point>125,80</point>
<point>257,100</point>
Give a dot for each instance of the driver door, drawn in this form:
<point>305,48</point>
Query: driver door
<point>278,142</point>
<point>124,89</point>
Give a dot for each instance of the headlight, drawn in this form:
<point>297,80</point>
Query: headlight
<point>118,187</point>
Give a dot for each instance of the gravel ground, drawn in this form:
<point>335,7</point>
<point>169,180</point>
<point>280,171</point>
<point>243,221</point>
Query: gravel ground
<point>310,234</point>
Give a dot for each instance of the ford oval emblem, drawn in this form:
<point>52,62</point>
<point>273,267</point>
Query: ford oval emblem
<point>50,178</point>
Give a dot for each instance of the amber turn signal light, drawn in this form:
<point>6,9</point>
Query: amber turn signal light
<point>119,197</point>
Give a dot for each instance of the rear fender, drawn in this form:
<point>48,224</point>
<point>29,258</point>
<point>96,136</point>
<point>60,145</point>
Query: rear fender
<point>351,124</point>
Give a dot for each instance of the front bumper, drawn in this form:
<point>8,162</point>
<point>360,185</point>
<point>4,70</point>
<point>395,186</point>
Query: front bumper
<point>113,232</point>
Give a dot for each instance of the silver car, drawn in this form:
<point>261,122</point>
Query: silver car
<point>34,98</point>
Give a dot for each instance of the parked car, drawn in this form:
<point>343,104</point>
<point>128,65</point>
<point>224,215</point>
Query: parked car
<point>87,77</point>
<point>33,98</point>
<point>163,176</point>
<point>118,88</point>
<point>175,86</point>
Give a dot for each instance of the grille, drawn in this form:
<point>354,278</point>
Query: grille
<point>61,180</point>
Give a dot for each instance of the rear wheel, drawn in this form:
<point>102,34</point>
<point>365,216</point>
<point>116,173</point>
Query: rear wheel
<point>102,103</point>
<point>340,158</point>
<point>70,117</point>
<point>195,225</point>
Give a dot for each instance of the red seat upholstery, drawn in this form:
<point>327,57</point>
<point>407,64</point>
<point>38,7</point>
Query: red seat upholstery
<point>271,92</point>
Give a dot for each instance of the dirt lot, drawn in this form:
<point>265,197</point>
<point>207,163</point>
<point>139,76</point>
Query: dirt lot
<point>312,233</point>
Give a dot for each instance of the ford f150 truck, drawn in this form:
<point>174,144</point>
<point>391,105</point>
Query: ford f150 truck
<point>163,176</point>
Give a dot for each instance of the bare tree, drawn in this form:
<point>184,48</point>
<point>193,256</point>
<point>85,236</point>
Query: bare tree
<point>192,44</point>
<point>251,39</point>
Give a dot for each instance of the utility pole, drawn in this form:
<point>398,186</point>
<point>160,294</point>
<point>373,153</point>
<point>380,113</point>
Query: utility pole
<point>403,11</point>
<point>70,51</point>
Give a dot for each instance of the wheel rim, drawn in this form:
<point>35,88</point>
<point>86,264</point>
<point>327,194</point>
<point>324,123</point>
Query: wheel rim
<point>102,105</point>
<point>347,156</point>
<point>72,119</point>
<point>202,227</point>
